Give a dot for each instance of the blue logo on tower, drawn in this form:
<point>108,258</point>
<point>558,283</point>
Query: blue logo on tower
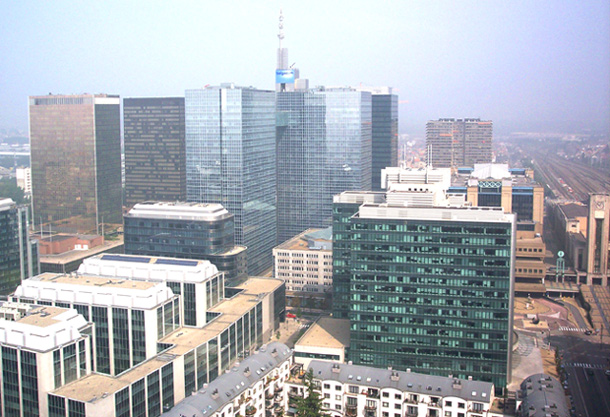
<point>284,76</point>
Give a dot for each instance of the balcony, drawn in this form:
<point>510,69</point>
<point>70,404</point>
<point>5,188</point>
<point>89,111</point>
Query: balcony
<point>410,401</point>
<point>411,414</point>
<point>371,407</point>
<point>351,410</point>
<point>250,411</point>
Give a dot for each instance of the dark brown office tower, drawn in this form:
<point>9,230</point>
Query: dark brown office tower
<point>76,161</point>
<point>459,142</point>
<point>155,162</point>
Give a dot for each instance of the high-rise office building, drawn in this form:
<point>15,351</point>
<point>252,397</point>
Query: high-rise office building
<point>231,160</point>
<point>18,254</point>
<point>155,161</point>
<point>426,288</point>
<point>598,239</point>
<point>76,161</point>
<point>186,230</point>
<point>323,148</point>
<point>459,142</point>
<point>384,131</point>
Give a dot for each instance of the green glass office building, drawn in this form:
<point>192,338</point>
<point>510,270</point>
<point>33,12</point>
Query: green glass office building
<point>429,289</point>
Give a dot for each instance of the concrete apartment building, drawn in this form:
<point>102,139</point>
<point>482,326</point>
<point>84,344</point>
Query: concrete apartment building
<point>459,142</point>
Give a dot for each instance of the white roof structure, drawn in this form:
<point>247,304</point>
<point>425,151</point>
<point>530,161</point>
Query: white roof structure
<point>490,171</point>
<point>6,203</point>
<point>43,328</point>
<point>147,268</point>
<point>94,290</point>
<point>178,211</point>
<point>483,214</point>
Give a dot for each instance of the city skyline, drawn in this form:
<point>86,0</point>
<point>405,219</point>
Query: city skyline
<point>520,62</point>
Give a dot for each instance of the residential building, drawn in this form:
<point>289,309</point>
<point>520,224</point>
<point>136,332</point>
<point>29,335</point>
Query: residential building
<point>155,157</point>
<point>542,395</point>
<point>18,253</point>
<point>459,142</point>
<point>43,349</point>
<point>384,132</point>
<point>305,262</point>
<point>253,388</point>
<point>186,230</point>
<point>426,288</point>
<point>76,161</point>
<point>353,390</point>
<point>323,148</point>
<point>326,339</point>
<point>231,160</point>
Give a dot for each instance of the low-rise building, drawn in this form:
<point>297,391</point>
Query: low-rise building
<point>253,388</point>
<point>305,263</point>
<point>327,339</point>
<point>352,390</point>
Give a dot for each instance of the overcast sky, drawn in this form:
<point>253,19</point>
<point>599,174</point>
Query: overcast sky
<point>518,63</point>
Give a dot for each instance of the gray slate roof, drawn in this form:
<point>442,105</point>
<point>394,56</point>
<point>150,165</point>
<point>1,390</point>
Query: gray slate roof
<point>542,396</point>
<point>407,381</point>
<point>232,384</point>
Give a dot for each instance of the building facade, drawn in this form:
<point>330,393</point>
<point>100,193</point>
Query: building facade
<point>76,161</point>
<point>352,390</point>
<point>429,288</point>
<point>231,160</point>
<point>43,348</point>
<point>305,263</point>
<point>186,230</point>
<point>323,148</point>
<point>155,157</point>
<point>459,142</point>
<point>384,131</point>
<point>18,254</point>
<point>165,360</point>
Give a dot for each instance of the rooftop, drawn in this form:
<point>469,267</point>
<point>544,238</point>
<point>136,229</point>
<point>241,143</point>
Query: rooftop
<point>574,210</point>
<point>179,211</point>
<point>141,267</point>
<point>300,242</point>
<point>406,381</point>
<point>229,386</point>
<point>92,280</point>
<point>326,332</point>
<point>262,285</point>
<point>6,203</point>
<point>74,255</point>
<point>482,214</point>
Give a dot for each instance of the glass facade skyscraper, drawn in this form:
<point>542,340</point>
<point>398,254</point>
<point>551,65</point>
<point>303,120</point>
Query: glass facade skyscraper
<point>76,161</point>
<point>429,289</point>
<point>18,254</point>
<point>231,160</point>
<point>324,148</point>
<point>155,164</point>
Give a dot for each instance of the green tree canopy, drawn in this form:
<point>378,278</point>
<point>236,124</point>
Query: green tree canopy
<point>311,403</point>
<point>9,189</point>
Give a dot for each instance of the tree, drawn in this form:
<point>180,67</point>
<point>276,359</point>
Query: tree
<point>311,403</point>
<point>9,189</point>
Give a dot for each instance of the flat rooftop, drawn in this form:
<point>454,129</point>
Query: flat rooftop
<point>94,281</point>
<point>326,332</point>
<point>42,316</point>
<point>299,242</point>
<point>179,211</point>
<point>574,210</point>
<point>263,285</point>
<point>75,255</point>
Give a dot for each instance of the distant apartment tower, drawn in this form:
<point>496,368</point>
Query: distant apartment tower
<point>428,288</point>
<point>155,159</point>
<point>186,230</point>
<point>384,131</point>
<point>459,142</point>
<point>231,160</point>
<point>323,148</point>
<point>18,254</point>
<point>76,161</point>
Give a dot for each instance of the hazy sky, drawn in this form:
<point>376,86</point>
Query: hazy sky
<point>510,61</point>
